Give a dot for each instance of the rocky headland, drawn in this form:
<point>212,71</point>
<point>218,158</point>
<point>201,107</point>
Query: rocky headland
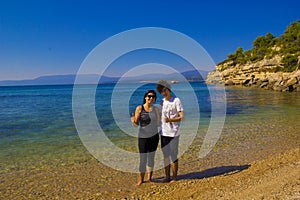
<point>261,74</point>
<point>272,63</point>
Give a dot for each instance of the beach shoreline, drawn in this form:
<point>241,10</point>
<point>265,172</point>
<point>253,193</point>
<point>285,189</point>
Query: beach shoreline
<point>255,157</point>
<point>264,171</point>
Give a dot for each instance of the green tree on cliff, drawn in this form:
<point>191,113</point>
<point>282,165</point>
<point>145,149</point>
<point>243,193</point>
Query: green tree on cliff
<point>287,45</point>
<point>290,40</point>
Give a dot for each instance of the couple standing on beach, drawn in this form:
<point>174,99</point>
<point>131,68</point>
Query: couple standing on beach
<point>148,117</point>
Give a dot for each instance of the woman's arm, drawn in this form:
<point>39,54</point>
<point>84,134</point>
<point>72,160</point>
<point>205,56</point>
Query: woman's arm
<point>158,116</point>
<point>135,116</point>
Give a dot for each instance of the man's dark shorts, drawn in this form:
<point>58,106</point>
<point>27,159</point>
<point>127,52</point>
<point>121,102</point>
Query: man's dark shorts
<point>169,146</point>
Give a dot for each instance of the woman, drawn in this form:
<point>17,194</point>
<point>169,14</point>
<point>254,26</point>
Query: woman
<point>147,117</point>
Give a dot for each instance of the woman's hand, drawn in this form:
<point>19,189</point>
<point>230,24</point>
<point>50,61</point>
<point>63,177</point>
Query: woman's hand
<point>133,120</point>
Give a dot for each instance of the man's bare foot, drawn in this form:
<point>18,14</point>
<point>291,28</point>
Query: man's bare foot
<point>139,183</point>
<point>173,181</point>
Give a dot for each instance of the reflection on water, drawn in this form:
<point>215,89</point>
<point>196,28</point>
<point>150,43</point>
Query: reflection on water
<point>253,100</point>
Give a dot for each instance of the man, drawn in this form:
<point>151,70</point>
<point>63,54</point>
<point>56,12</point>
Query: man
<point>172,114</point>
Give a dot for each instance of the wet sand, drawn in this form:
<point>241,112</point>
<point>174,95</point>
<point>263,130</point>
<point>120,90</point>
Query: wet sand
<point>264,166</point>
<point>255,158</point>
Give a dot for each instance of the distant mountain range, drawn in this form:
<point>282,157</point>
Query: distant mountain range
<point>192,76</point>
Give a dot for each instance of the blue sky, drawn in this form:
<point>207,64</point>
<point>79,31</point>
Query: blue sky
<point>53,37</point>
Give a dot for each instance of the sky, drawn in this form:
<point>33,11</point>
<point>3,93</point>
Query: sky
<point>39,38</point>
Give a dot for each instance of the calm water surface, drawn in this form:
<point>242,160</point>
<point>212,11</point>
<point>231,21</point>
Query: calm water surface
<point>37,128</point>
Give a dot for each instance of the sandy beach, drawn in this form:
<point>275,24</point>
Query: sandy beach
<point>267,169</point>
<point>74,75</point>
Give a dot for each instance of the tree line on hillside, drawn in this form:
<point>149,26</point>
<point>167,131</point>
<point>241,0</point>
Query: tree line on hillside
<point>266,47</point>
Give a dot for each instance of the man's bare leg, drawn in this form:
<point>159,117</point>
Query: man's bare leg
<point>174,166</point>
<point>167,169</point>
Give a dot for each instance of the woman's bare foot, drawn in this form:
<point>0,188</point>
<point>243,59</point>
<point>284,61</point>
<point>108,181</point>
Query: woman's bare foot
<point>141,179</point>
<point>149,175</point>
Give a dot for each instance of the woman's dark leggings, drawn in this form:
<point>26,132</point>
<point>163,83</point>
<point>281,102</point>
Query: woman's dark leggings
<point>147,148</point>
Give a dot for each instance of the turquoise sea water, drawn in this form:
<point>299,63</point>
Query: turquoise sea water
<point>37,128</point>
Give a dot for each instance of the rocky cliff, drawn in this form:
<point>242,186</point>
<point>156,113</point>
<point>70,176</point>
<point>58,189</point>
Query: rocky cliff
<point>262,74</point>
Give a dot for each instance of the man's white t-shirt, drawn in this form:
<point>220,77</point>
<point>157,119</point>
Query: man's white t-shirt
<point>170,109</point>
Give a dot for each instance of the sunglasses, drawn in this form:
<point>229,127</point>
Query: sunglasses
<point>151,96</point>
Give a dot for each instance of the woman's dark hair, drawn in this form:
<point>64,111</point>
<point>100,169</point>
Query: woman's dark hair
<point>149,91</point>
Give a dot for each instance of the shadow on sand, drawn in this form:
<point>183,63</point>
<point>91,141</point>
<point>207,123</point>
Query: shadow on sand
<point>216,171</point>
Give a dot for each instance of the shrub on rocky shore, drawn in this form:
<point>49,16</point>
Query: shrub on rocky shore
<point>272,63</point>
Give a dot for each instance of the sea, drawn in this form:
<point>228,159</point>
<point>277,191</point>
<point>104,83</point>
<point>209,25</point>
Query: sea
<point>38,127</point>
